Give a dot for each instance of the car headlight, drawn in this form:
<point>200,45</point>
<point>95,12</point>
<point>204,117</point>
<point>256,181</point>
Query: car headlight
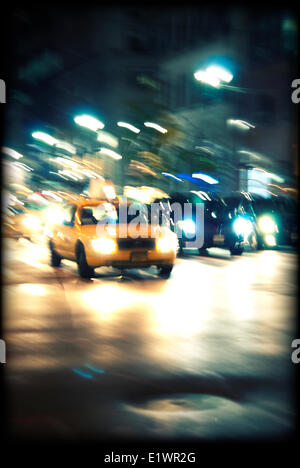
<point>188,226</point>
<point>270,240</point>
<point>32,222</point>
<point>104,245</point>
<point>267,225</point>
<point>167,243</point>
<point>242,226</point>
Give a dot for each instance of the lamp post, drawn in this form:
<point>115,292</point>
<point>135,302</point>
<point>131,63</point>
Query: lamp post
<point>240,125</point>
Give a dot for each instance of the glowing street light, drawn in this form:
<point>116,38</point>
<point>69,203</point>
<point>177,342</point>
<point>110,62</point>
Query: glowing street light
<point>214,75</point>
<point>89,122</point>
<point>221,73</point>
<point>130,127</point>
<point>207,78</point>
<point>156,127</point>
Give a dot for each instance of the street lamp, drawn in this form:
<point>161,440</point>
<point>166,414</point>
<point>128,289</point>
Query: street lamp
<point>214,75</point>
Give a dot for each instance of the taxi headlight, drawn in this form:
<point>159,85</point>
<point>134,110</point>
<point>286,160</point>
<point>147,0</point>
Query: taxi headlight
<point>267,225</point>
<point>104,246</point>
<point>32,222</point>
<point>242,226</point>
<point>167,243</point>
<point>187,225</point>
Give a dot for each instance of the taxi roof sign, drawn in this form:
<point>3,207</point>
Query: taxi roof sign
<point>102,189</point>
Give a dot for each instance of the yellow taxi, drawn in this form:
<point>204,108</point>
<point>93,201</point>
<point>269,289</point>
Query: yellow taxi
<point>95,233</point>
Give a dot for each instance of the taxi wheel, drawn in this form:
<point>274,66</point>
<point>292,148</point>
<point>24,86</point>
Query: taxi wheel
<point>165,271</point>
<point>85,271</point>
<point>55,259</point>
<point>236,250</point>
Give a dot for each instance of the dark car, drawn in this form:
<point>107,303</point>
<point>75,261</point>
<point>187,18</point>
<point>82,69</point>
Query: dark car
<point>276,221</point>
<point>216,226</point>
<point>274,218</point>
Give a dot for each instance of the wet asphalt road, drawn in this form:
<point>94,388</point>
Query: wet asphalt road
<point>205,355</point>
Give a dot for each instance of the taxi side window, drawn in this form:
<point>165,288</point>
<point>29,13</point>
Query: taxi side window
<point>102,213</point>
<point>69,215</point>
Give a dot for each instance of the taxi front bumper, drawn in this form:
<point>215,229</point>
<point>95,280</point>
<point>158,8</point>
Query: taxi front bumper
<point>130,258</point>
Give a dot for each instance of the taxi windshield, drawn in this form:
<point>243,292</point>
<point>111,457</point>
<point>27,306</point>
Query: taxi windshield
<point>108,213</point>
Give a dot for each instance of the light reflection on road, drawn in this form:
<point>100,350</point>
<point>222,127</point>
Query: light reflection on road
<point>217,317</point>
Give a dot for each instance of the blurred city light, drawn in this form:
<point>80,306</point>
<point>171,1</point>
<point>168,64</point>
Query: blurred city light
<point>156,127</point>
<point>109,191</point>
<point>45,138</point>
<point>66,146</point>
<point>129,126</point>
<point>89,122</point>
<point>201,194</point>
<point>10,152</point>
<point>105,137</point>
<point>64,161</point>
<point>110,153</point>
<point>22,166</point>
<point>276,178</point>
<point>52,195</point>
<point>269,174</point>
<point>204,148</point>
<point>251,154</point>
<point>171,175</point>
<point>206,178</point>
<point>240,123</point>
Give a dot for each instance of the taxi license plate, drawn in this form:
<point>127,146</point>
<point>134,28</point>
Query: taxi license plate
<point>218,238</point>
<point>139,257</point>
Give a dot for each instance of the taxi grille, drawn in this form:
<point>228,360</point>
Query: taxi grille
<point>139,243</point>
